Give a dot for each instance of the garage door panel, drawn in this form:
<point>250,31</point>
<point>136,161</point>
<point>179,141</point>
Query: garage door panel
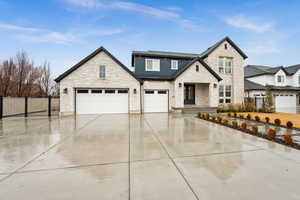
<point>286,104</point>
<point>102,102</point>
<point>156,101</point>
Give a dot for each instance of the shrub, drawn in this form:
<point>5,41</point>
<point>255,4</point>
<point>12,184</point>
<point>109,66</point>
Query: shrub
<point>254,129</point>
<point>213,118</point>
<point>271,133</point>
<point>234,124</point>
<point>244,125</point>
<point>225,121</point>
<point>249,117</point>
<point>257,118</point>
<point>277,122</point>
<point>219,119</point>
<point>289,124</point>
<point>235,114</point>
<point>207,116</point>
<point>229,114</point>
<point>287,138</point>
<point>242,116</point>
<point>199,115</point>
<point>267,119</point>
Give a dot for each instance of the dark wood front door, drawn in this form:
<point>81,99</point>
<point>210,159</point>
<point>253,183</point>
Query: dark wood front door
<point>189,94</point>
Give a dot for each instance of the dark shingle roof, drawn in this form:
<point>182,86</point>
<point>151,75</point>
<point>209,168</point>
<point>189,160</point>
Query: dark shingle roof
<point>165,54</point>
<point>283,88</point>
<point>249,85</point>
<point>258,70</point>
<point>292,69</point>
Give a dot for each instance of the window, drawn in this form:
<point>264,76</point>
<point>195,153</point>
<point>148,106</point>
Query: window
<point>280,79</point>
<point>174,64</point>
<point>197,68</point>
<point>109,91</point>
<point>96,91</point>
<point>152,65</point>
<point>82,91</point>
<point>102,72</point>
<point>122,91</point>
<point>225,65</point>
<point>225,46</point>
<point>225,94</point>
<point>161,92</point>
<point>149,92</point>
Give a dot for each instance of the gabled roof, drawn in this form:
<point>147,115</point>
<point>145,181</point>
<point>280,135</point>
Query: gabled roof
<point>203,63</point>
<point>292,69</point>
<point>249,85</point>
<point>86,59</point>
<point>212,48</point>
<point>258,70</point>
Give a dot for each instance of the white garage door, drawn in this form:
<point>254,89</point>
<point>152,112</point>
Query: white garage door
<point>98,101</point>
<point>155,101</point>
<point>285,104</point>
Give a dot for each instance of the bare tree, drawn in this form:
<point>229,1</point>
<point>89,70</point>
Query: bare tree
<point>44,80</point>
<point>7,69</point>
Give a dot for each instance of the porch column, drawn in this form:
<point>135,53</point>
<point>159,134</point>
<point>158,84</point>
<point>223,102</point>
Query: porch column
<point>213,95</point>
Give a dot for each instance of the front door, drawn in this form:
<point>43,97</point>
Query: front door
<point>189,94</point>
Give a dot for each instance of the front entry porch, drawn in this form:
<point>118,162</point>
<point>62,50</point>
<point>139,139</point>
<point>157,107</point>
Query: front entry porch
<point>196,95</point>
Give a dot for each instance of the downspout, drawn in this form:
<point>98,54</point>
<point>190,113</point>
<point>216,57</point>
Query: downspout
<point>141,111</point>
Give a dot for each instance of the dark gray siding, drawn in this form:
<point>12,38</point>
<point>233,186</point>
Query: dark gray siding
<point>165,66</point>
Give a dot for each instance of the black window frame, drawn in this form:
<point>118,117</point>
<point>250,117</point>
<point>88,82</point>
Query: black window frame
<point>149,91</point>
<point>96,91</point>
<point>82,91</point>
<point>162,92</point>
<point>109,91</point>
<point>122,91</point>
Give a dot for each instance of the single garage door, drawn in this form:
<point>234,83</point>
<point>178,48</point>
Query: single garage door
<point>98,101</point>
<point>156,101</point>
<point>285,104</point>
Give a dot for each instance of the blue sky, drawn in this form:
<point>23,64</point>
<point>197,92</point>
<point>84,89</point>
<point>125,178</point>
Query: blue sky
<point>64,31</point>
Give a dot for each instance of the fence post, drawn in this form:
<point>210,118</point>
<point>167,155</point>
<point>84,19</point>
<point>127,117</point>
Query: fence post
<point>49,106</point>
<point>1,107</point>
<point>255,102</point>
<point>26,106</point>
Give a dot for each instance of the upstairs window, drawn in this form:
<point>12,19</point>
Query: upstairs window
<point>225,65</point>
<point>152,65</point>
<point>174,64</point>
<point>280,79</point>
<point>102,73</point>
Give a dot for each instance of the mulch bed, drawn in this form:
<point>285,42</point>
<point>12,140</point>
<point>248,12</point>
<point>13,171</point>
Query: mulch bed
<point>277,140</point>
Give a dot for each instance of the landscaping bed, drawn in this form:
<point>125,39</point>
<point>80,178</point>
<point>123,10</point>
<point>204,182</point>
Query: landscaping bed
<point>271,134</point>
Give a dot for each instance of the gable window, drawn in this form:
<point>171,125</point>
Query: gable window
<point>225,94</point>
<point>225,65</point>
<point>174,64</point>
<point>197,68</point>
<point>280,79</point>
<point>102,72</point>
<point>152,65</point>
<point>225,46</point>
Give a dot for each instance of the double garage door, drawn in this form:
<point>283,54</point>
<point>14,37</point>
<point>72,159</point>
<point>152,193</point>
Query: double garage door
<point>99,101</point>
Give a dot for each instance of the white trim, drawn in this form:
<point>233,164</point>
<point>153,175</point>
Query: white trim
<point>174,64</point>
<point>152,65</point>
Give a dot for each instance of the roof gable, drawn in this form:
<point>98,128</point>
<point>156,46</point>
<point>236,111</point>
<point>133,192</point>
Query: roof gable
<point>212,48</point>
<point>201,62</point>
<point>89,57</point>
<point>292,69</point>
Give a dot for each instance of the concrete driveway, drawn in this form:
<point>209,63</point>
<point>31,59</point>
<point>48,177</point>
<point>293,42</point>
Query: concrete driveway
<point>153,157</point>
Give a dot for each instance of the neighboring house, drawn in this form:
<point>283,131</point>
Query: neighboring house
<point>161,81</point>
<point>283,82</point>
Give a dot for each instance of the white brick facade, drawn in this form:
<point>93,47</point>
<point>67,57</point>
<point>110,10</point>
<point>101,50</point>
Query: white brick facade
<point>87,76</point>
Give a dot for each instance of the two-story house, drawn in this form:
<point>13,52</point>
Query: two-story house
<point>283,82</point>
<point>160,82</point>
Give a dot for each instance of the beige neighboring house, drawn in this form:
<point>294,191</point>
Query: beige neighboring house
<point>160,82</point>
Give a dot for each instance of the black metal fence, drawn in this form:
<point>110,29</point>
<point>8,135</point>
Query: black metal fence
<point>28,106</point>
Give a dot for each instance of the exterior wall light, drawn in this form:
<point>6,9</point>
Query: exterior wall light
<point>134,91</point>
<point>215,85</point>
<point>65,91</point>
<point>180,84</point>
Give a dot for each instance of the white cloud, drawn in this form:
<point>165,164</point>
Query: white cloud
<point>12,27</point>
<point>268,47</point>
<point>246,23</point>
<point>169,13</point>
<point>51,37</point>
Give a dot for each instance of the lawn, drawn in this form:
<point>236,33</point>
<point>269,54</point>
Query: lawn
<point>284,117</point>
